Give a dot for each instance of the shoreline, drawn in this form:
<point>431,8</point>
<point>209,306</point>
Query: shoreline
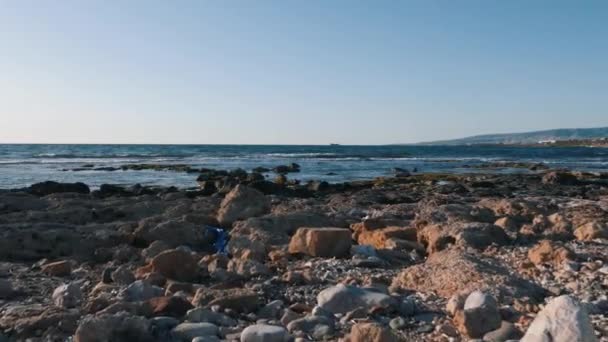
<point>143,262</point>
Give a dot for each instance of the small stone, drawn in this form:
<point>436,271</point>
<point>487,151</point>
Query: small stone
<point>123,276</point>
<point>141,290</point>
<point>397,323</point>
<point>67,296</point>
<point>188,331</point>
<point>480,315</point>
<point>201,315</point>
<point>342,299</point>
<point>264,333</point>
<point>272,310</point>
<point>455,304</point>
<point>371,332</point>
<point>507,331</point>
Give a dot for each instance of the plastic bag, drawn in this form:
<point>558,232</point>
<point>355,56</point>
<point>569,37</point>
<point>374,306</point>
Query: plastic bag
<point>220,239</point>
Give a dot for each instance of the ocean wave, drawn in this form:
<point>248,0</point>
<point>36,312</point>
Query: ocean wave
<point>109,156</point>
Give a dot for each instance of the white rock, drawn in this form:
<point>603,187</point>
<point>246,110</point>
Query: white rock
<point>481,314</point>
<point>264,333</point>
<point>343,299</point>
<point>67,295</point>
<point>562,320</point>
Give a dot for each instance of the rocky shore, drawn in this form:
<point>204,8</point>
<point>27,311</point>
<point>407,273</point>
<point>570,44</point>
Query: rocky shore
<point>418,257</point>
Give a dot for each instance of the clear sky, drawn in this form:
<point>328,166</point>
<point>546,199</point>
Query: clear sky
<point>298,72</point>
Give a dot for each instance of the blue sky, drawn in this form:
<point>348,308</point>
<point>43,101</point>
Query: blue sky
<point>298,72</point>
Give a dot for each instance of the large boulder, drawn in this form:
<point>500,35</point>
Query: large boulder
<point>562,320</point>
<point>343,298</point>
<point>241,203</point>
<point>321,242</point>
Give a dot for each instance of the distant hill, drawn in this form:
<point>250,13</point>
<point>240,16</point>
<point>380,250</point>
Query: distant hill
<point>528,137</point>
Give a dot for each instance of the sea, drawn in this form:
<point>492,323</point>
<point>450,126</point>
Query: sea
<point>23,165</point>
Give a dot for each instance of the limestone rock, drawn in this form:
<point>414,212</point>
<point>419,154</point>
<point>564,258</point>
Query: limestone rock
<point>562,320</point>
<point>591,231</point>
<point>549,252</point>
<point>321,242</point>
<point>241,203</point>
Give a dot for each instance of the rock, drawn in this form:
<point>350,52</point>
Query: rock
<point>154,249</point>
<point>507,331</point>
<point>120,327</point>
<point>591,231</point>
<point>201,315</point>
<point>309,323</point>
<point>176,264</point>
<point>397,323</point>
<point>57,269</point>
<point>6,289</point>
<point>248,268</point>
<point>264,333</point>
<point>141,290</point>
<point>276,229</point>
<point>174,233</point>
<point>550,252</point>
<point>271,310</point>
<point>187,331</point>
<point>50,187</point>
<point>371,332</point>
<point>563,319</point>
<point>559,178</point>
<point>237,299</point>
<point>438,237</point>
<point>242,203</point>
<point>122,276</point>
<point>379,237</point>
<point>475,271</point>
<point>342,299</point>
<point>67,296</point>
<point>321,242</point>
<point>479,316</point>
<point>173,306</point>
<point>455,304</point>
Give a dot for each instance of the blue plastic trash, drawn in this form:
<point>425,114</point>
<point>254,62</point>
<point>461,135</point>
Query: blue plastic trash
<point>220,239</point>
